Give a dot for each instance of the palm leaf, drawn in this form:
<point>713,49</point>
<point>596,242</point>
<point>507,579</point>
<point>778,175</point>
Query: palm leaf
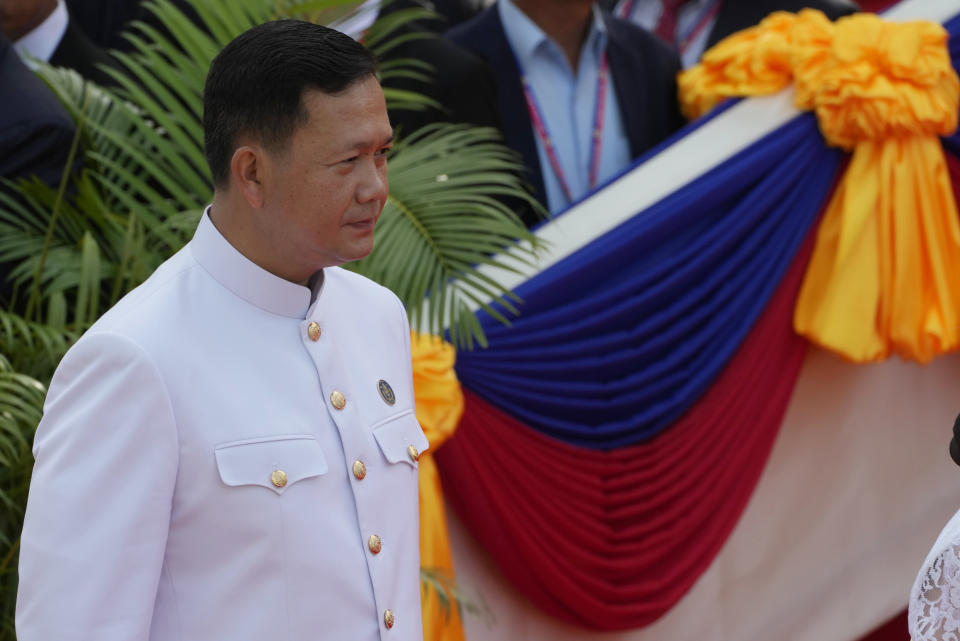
<point>21,403</point>
<point>34,347</point>
<point>439,583</point>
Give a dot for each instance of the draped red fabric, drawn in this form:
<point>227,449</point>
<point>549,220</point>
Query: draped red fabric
<point>612,540</point>
<point>876,5</point>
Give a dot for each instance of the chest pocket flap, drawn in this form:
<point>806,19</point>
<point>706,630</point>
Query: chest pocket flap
<point>397,435</point>
<point>273,462</point>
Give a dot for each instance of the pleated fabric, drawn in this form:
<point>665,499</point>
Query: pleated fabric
<point>613,539</point>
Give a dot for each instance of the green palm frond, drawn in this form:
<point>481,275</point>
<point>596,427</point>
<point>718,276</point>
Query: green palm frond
<point>87,256</point>
<point>439,583</point>
<point>21,402</point>
<point>383,38</point>
<point>34,348</point>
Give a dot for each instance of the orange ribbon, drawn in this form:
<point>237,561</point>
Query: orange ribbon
<point>885,273</point>
<point>439,402</point>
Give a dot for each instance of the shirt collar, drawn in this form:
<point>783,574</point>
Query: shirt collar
<point>44,39</point>
<point>243,277</point>
<point>525,37</point>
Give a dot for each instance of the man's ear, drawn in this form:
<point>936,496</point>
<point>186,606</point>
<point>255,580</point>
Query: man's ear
<point>247,173</point>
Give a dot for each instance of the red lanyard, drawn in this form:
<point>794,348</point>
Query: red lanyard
<point>540,126</point>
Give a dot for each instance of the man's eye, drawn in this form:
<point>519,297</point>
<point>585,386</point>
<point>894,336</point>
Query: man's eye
<point>382,153</point>
<point>352,160</point>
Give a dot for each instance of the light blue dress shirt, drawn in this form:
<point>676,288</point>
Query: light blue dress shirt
<point>567,101</point>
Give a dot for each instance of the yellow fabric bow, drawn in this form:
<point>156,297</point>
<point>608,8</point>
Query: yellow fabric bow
<point>439,402</point>
<point>885,272</point>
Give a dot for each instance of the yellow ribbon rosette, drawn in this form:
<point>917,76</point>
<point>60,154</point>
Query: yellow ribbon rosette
<point>439,402</point>
<point>885,273</point>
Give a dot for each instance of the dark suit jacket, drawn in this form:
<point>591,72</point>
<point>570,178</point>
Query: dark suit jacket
<point>736,15</point>
<point>104,21</point>
<point>35,130</point>
<point>644,76</point>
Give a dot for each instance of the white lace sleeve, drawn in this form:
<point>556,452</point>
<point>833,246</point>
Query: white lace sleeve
<point>934,612</point>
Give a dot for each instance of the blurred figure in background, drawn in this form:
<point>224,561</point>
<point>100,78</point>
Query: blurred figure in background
<point>580,93</point>
<point>693,26</point>
<point>43,29</point>
<point>105,21</point>
<point>35,130</point>
<point>35,133</point>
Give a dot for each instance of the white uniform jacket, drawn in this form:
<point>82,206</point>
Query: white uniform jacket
<point>211,467</point>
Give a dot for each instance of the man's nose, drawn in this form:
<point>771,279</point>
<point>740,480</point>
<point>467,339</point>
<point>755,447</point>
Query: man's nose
<point>374,184</point>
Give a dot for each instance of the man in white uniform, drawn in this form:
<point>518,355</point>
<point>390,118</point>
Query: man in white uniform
<point>230,453</point>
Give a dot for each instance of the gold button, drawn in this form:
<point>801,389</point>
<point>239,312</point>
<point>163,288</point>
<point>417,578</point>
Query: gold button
<point>388,619</point>
<point>374,544</point>
<point>359,470</point>
<point>414,453</point>
<point>313,331</point>
<point>278,478</point>
<point>338,400</point>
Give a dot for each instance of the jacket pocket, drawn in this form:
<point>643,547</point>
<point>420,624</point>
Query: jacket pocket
<point>273,462</point>
<point>397,434</point>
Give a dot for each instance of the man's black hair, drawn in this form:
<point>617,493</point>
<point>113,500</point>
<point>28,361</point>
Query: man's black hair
<point>256,83</point>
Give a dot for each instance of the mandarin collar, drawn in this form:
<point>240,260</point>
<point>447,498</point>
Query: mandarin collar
<point>245,278</point>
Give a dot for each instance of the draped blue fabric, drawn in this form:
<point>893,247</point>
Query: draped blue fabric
<point>952,143</point>
<point>953,28</point>
<point>618,340</point>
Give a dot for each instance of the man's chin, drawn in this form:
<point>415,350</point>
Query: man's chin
<point>358,252</point>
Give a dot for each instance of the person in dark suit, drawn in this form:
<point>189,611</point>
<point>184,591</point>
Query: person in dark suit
<point>615,81</point>
<point>35,130</point>
<point>44,29</point>
<point>105,21</point>
<point>693,26</point>
<point>35,133</point>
